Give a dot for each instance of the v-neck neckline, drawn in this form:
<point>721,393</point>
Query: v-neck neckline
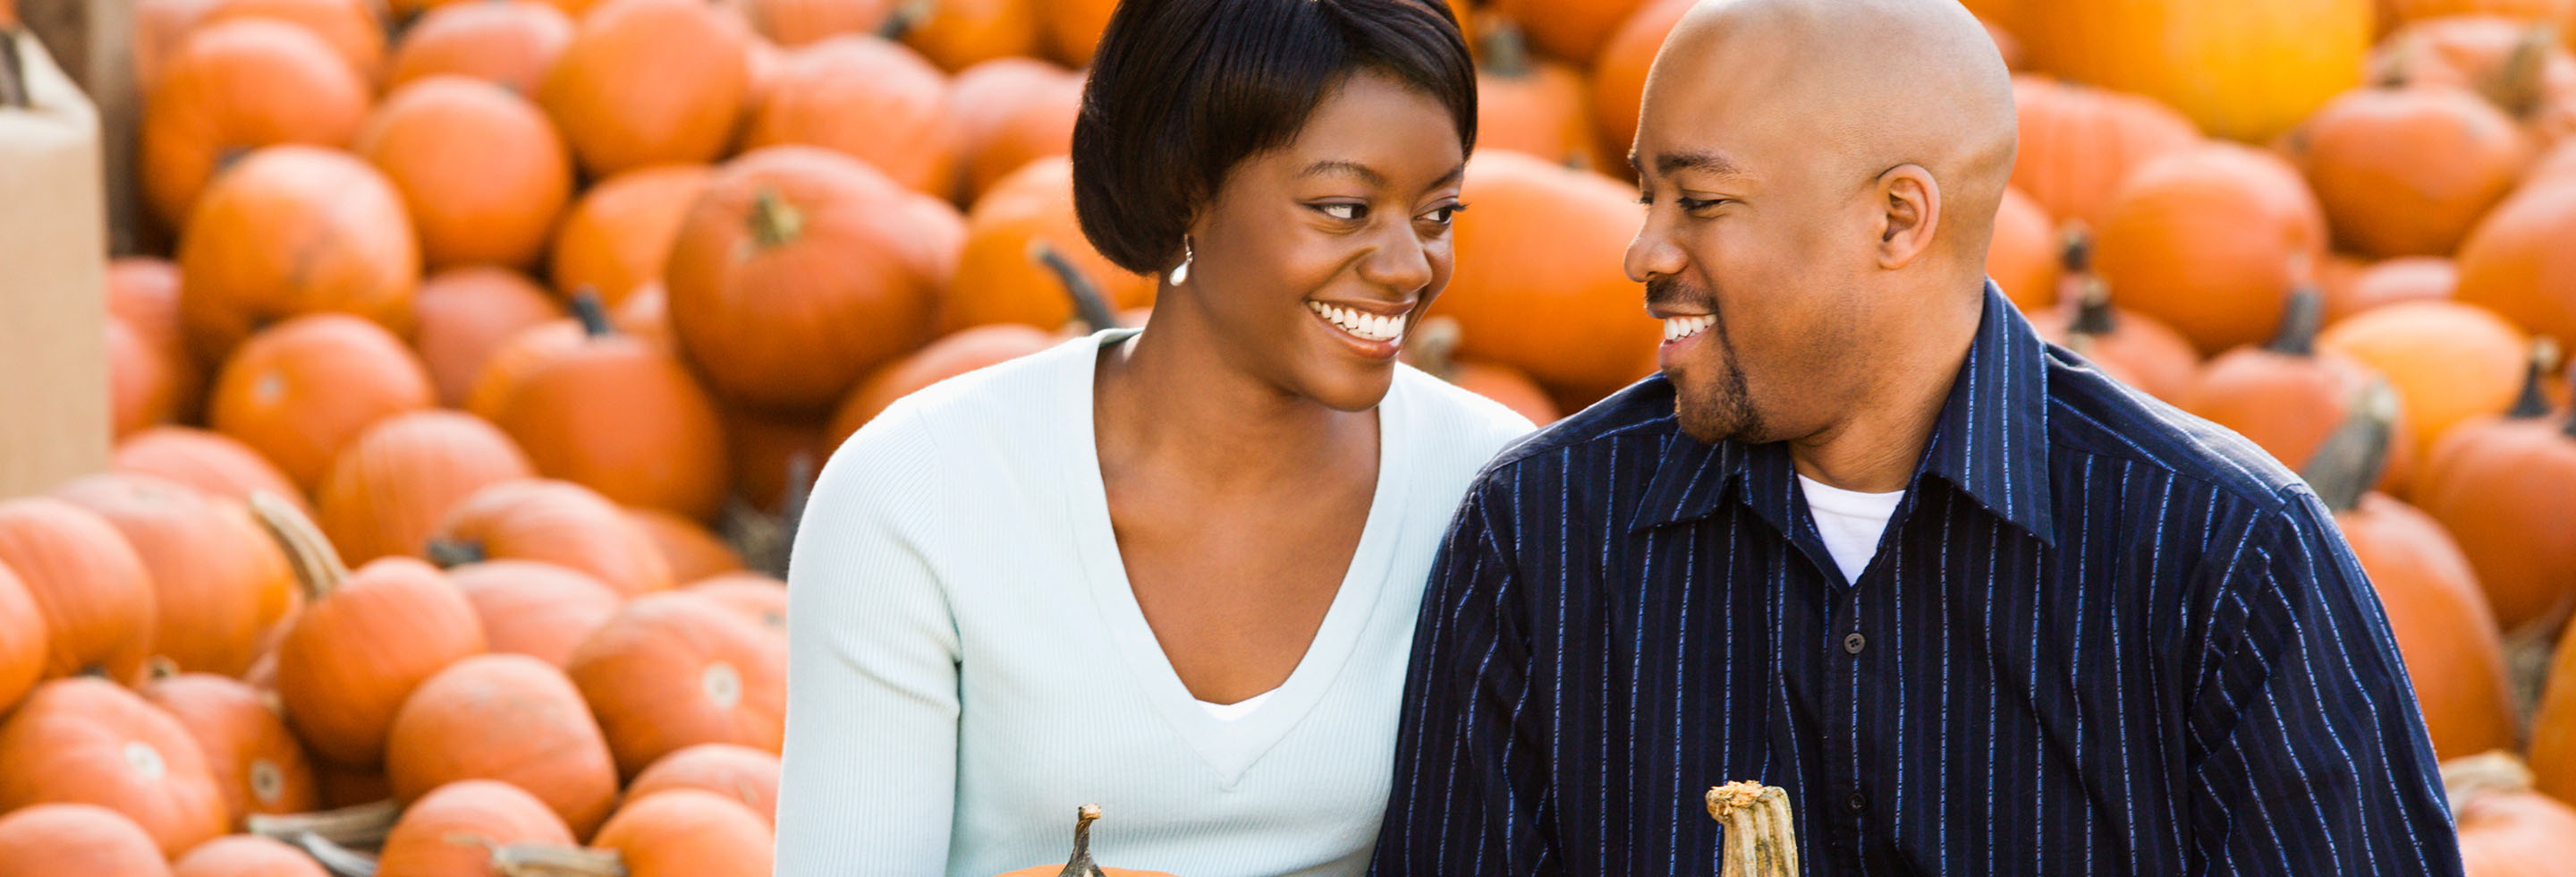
<point>1229,747</point>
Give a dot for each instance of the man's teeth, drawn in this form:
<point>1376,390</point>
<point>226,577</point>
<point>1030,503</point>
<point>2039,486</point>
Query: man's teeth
<point>1366,326</point>
<point>1678,328</point>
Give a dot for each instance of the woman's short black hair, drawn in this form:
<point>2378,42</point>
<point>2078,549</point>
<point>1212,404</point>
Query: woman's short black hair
<point>1183,90</point>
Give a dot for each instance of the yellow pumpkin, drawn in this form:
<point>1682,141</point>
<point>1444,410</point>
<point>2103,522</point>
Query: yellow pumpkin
<point>2244,70</point>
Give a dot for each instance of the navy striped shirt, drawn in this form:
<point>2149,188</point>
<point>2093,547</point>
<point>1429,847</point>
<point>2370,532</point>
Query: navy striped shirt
<point>2099,636</point>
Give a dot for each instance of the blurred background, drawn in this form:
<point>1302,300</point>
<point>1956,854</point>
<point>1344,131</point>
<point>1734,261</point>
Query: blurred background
<point>408,404</point>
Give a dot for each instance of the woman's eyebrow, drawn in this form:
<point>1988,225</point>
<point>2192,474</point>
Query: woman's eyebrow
<point>1351,168</point>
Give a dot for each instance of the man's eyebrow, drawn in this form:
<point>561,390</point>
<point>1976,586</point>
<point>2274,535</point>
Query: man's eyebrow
<point>1675,162</point>
<point>1353,168</point>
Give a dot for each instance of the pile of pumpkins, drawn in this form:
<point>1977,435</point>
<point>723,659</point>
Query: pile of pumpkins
<point>497,340</point>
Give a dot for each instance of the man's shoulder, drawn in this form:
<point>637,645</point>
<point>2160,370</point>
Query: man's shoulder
<point>2094,416</point>
<point>1644,408</point>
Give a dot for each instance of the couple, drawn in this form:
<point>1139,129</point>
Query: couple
<point>1274,602</point>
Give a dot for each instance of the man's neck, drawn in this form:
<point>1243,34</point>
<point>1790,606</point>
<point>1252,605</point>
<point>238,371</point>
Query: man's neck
<point>1876,447</point>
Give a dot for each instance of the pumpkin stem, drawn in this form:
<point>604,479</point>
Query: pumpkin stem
<point>1081,865</point>
<point>363,825</point>
<point>1433,347</point>
<point>13,72</point>
<point>2093,314</point>
<point>2349,462</point>
<point>160,667</point>
<point>1761,834</point>
<point>774,222</point>
<point>336,858</point>
<point>2534,401</point>
<point>1505,47</point>
<point>2492,773</point>
<point>593,315</point>
<point>318,566</point>
<point>2518,86</point>
<point>1088,305</point>
<point>449,553</point>
<point>2299,323</point>
<point>556,860</point>
<point>791,506</point>
<point>908,16</point>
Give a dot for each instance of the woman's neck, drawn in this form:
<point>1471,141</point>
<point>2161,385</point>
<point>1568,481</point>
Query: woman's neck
<point>1173,399</point>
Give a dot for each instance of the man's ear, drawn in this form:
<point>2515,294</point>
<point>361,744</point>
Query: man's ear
<point>1910,204</point>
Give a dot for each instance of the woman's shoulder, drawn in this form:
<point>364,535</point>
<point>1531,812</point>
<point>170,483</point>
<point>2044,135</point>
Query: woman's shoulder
<point>977,419</point>
<point>1452,422</point>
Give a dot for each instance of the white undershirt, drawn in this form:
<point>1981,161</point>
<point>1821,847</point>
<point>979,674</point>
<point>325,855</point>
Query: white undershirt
<point>1850,521</point>
<point>1227,712</point>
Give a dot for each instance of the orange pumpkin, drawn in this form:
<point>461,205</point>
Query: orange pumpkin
<point>869,98</point>
<point>2444,631</point>
<point>2559,163</point>
<point>647,82</point>
<point>301,392</point>
<point>534,608</point>
<point>616,414</point>
<point>740,772</point>
<point>646,314</point>
<point>512,718</point>
<point>465,314</point>
<point>799,270</point>
<point>235,87</point>
<point>396,483</point>
<point>959,34</point>
<point>159,27</point>
<point>2449,362</point>
<point>2515,65</point>
<point>294,230</point>
<point>1529,105</point>
<point>676,670</point>
<point>92,589</point>
<point>2364,155</point>
<point>1010,112</point>
<point>693,552</point>
<point>143,295</point>
<point>688,833</point>
<point>1575,30</point>
<point>346,787</point>
<point>2139,350</point>
<point>2023,257</point>
<point>1073,28</point>
<point>794,23</point>
<point>2079,144</point>
<point>142,381</point>
<point>353,28</point>
<point>1570,320</point>
<point>48,840</point>
<point>2506,828</point>
<point>955,354</point>
<point>507,42</point>
<point>246,855</point>
<point>255,761</point>
<point>2505,486</point>
<point>1433,348</point>
<point>2210,241</point>
<point>1619,77</point>
<point>2518,262</point>
<point>451,831</point>
<point>772,451</point>
<point>2286,397</point>
<point>211,462</point>
<point>2405,11</point>
<point>557,522</point>
<point>365,640</point>
<point>619,234</point>
<point>23,638</point>
<point>758,598</point>
<point>218,585</point>
<point>483,172</point>
<point>2198,55</point>
<point>1000,278</point>
<point>2413,278</point>
<point>89,741</point>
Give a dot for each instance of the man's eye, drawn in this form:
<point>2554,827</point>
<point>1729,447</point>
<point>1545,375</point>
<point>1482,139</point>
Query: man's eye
<point>1444,215</point>
<point>1695,205</point>
<point>1343,211</point>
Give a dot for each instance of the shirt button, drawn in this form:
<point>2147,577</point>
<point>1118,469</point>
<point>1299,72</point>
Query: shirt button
<point>1858,802</point>
<point>1854,643</point>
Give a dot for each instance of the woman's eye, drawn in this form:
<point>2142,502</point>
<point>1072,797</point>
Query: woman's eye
<point>1343,211</point>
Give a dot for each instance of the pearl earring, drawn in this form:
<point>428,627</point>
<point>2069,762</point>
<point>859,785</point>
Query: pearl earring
<point>1181,274</point>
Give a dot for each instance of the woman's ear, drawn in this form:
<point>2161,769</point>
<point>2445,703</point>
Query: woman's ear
<point>1911,214</point>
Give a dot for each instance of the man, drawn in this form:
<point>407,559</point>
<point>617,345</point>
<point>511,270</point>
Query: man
<point>1976,607</point>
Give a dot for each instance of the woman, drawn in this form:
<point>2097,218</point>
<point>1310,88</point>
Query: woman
<point>1172,572</point>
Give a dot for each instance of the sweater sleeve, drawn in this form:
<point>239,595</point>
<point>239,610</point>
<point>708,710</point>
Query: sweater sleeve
<point>869,773</point>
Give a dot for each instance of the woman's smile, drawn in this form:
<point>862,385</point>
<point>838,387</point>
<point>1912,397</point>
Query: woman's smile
<point>1374,330</point>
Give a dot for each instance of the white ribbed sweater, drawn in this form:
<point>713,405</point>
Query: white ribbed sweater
<point>967,664</point>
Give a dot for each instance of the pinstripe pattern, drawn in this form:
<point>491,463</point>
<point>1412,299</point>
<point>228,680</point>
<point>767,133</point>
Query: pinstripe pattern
<point>2101,637</point>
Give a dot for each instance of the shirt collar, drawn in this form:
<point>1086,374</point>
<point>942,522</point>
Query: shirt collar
<point>1991,441</point>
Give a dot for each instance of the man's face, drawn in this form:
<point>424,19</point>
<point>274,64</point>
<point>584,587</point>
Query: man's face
<point>1756,242</point>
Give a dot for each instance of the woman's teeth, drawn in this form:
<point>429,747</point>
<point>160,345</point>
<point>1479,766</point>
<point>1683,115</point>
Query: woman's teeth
<point>1367,327</point>
<point>1678,328</point>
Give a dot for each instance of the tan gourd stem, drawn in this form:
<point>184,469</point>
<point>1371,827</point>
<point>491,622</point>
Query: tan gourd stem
<point>2535,379</point>
<point>2517,87</point>
<point>774,222</point>
<point>1761,833</point>
<point>556,860</point>
<point>1088,305</point>
<point>1505,48</point>
<point>13,72</point>
<point>1434,346</point>
<point>1081,865</point>
<point>362,825</point>
<point>593,315</point>
<point>446,553</point>
<point>317,565</point>
<point>2305,314</point>
<point>2349,462</point>
<point>2491,773</point>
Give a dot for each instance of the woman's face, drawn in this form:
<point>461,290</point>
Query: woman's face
<point>1314,260</point>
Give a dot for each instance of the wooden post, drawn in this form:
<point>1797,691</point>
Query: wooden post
<point>53,282</point>
<point>93,41</point>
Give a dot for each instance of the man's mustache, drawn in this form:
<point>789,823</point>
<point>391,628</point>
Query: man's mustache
<point>1671,291</point>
